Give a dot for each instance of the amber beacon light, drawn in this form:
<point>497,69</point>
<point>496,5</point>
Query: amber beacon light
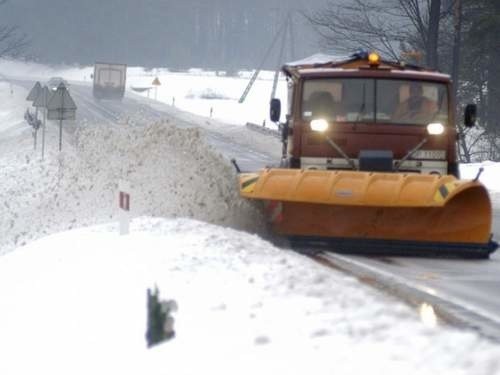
<point>373,59</point>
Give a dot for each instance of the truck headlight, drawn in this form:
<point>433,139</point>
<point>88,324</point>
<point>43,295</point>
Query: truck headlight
<point>435,128</point>
<point>319,125</point>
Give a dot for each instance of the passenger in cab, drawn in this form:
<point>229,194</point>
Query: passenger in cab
<point>415,107</point>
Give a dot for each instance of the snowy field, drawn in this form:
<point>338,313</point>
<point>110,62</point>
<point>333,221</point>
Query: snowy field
<point>74,291</point>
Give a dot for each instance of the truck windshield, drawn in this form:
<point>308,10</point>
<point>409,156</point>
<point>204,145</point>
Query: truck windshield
<point>389,101</point>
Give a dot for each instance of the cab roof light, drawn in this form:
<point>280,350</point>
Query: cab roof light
<point>374,59</point>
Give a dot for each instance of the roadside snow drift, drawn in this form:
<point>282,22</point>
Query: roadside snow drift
<point>75,303</point>
<point>172,171</point>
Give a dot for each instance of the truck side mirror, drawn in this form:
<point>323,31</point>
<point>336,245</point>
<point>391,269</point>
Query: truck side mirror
<point>275,110</point>
<point>470,115</point>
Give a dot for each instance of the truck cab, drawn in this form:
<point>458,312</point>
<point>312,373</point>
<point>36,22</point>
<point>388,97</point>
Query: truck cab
<point>363,113</point>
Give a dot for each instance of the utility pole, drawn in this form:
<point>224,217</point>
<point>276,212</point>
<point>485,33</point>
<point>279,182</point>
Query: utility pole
<point>280,57</point>
<point>257,71</point>
<point>284,30</point>
<point>433,34</point>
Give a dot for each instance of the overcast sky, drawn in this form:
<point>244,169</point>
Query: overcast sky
<point>223,34</point>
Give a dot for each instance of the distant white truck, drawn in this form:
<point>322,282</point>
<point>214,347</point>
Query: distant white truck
<point>109,80</point>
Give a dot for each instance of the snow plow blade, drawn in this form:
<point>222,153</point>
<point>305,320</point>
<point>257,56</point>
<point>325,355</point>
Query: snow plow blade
<point>377,213</point>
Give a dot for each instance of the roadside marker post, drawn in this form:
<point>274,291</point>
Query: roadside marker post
<point>124,205</point>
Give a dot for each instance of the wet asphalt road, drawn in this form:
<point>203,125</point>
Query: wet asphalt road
<point>472,284</point>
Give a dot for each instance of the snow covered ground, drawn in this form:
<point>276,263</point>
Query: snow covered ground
<point>172,173</point>
<point>75,301</point>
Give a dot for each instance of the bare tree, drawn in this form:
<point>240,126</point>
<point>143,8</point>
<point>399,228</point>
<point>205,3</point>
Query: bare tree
<point>12,43</point>
<point>393,27</point>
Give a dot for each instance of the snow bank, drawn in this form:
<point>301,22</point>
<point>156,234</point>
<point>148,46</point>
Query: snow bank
<point>172,172</point>
<point>75,303</point>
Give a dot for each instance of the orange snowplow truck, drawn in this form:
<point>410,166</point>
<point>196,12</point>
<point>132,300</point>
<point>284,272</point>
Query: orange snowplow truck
<point>369,163</point>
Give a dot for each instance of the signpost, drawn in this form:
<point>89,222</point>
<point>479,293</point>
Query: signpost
<point>61,107</point>
<point>41,101</point>
<point>156,82</point>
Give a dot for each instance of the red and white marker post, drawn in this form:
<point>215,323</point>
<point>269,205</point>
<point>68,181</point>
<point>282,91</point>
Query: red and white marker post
<point>124,204</point>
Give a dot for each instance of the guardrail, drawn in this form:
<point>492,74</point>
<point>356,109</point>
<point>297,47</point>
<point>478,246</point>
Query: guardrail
<point>263,130</point>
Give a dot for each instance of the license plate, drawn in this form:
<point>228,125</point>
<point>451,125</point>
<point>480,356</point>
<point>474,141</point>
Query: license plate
<point>430,154</point>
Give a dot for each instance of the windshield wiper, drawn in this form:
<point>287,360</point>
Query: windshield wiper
<point>363,105</point>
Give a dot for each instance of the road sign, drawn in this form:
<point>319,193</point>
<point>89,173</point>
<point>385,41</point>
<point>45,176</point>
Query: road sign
<point>43,98</point>
<point>35,91</point>
<point>58,114</point>
<point>156,82</point>
<point>42,101</point>
<point>61,105</point>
